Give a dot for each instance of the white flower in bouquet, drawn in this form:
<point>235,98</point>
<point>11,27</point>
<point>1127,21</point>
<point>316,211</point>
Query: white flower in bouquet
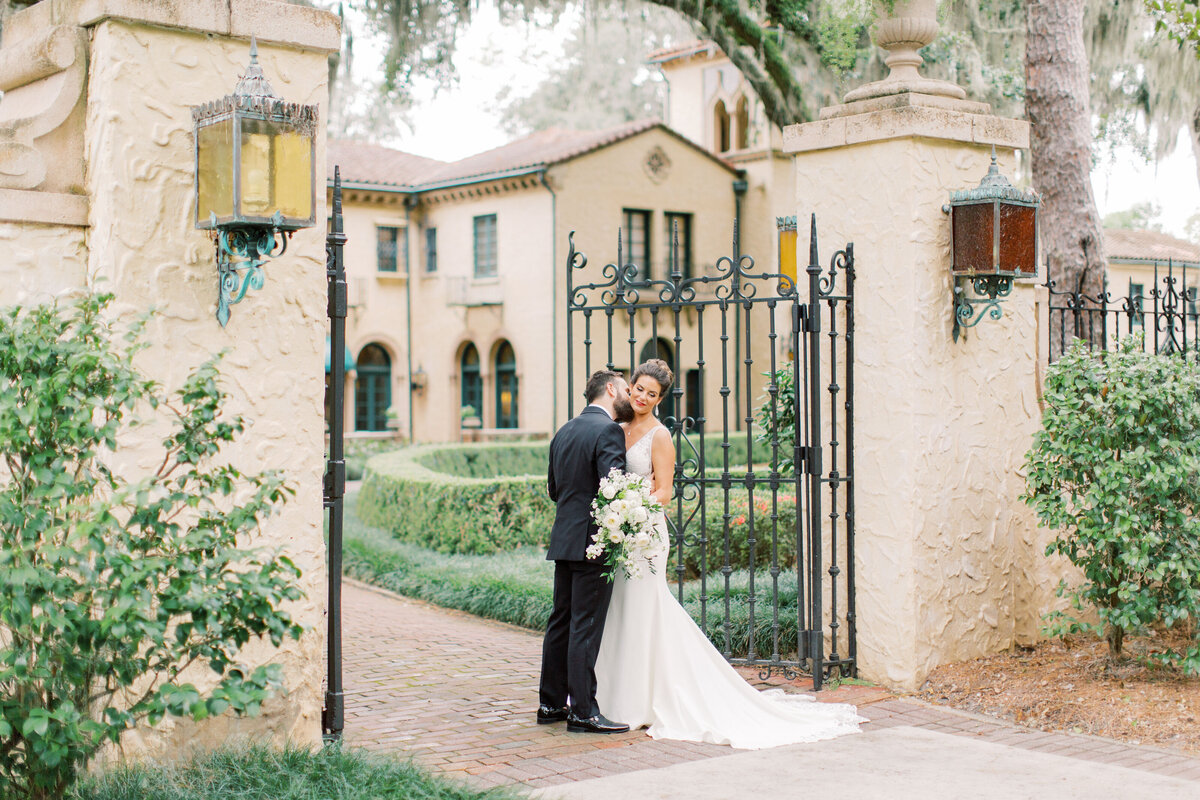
<point>616,536</point>
<point>640,514</point>
<point>611,520</point>
<point>609,491</point>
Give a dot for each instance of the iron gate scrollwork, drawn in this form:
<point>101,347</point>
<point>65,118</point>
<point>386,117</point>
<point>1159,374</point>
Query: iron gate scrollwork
<point>762,554</point>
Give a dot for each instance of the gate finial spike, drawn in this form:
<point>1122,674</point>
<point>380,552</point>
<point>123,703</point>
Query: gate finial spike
<point>337,190</point>
<point>812,243</point>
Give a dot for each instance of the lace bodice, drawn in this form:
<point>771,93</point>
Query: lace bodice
<point>637,458</point>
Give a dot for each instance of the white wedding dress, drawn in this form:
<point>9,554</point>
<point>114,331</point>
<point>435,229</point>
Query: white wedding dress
<point>657,669</point>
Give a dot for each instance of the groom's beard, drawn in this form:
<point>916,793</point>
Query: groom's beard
<point>622,410</point>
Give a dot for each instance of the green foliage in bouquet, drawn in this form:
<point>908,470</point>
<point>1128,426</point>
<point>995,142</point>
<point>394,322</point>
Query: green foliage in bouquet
<point>1115,471</point>
<point>454,513</point>
<point>110,587</point>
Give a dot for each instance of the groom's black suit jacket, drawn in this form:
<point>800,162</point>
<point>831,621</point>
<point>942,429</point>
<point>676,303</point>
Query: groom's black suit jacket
<point>581,453</point>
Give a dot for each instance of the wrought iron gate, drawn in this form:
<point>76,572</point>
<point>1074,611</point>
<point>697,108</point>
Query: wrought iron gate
<point>334,490</point>
<point>762,554</point>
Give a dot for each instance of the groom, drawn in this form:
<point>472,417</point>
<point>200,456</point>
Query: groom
<point>581,453</point>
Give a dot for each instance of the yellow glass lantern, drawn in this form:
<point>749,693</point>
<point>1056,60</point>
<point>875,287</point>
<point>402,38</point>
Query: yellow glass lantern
<point>255,178</point>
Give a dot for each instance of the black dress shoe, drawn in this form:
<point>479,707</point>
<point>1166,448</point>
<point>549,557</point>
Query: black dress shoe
<point>549,714</point>
<point>596,724</point>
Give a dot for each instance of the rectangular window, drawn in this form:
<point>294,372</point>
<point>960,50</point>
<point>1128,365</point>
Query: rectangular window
<point>485,246</point>
<point>391,248</point>
<point>637,240</point>
<point>680,224</point>
<point>431,249</point>
<point>1137,293</point>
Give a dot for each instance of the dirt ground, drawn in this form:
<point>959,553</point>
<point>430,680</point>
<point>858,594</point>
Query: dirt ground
<point>1072,685</point>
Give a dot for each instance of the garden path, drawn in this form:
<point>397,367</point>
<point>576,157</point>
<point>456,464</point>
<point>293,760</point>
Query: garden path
<point>458,692</point>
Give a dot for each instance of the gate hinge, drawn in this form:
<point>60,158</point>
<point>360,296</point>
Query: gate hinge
<point>809,456</point>
<point>802,320</point>
<point>335,480</point>
<point>337,298</point>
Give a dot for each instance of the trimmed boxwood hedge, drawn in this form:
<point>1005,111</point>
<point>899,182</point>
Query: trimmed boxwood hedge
<point>458,498</point>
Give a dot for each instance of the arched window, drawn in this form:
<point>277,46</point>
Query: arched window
<point>721,127</point>
<point>472,383</point>
<point>742,123</point>
<point>372,389</point>
<point>506,386</point>
<point>660,348</point>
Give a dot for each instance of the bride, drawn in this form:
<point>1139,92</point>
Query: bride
<point>656,668</point>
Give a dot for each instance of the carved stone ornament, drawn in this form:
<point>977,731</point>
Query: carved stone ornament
<point>657,165</point>
<point>903,27</point>
<point>43,80</point>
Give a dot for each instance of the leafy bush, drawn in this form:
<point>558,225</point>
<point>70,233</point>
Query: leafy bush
<point>739,531</point>
<point>517,587</point>
<point>294,773</point>
<point>357,451</point>
<point>478,461</point>
<point>112,587</point>
<point>783,420</point>
<point>1115,471</point>
<point>454,514</point>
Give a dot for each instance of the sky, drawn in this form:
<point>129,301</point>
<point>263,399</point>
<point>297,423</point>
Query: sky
<point>454,123</point>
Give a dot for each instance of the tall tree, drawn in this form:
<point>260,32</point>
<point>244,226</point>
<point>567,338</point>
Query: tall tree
<point>602,79</point>
<point>1056,102</point>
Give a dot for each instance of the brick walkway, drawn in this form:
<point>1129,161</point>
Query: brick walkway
<point>459,692</point>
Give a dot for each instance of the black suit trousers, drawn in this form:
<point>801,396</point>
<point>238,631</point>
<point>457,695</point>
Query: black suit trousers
<point>581,596</point>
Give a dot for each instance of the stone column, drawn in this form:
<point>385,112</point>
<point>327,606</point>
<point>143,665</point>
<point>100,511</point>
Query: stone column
<point>949,562</point>
<point>104,200</point>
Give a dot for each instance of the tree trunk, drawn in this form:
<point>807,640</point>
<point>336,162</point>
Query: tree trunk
<point>1056,102</point>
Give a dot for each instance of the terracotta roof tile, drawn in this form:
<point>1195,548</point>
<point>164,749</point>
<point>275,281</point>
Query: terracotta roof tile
<point>1148,246</point>
<point>377,165</point>
<point>384,167</point>
<point>540,149</point>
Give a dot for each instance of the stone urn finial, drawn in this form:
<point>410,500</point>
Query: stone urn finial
<point>903,27</point>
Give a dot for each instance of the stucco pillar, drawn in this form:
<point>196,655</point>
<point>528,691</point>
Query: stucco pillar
<point>949,561</point>
<point>106,202</point>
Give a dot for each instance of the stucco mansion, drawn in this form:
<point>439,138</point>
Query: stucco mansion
<point>457,272</point>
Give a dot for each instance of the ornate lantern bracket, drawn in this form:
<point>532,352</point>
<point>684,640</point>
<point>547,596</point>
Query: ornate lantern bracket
<point>255,179</point>
<point>993,242</point>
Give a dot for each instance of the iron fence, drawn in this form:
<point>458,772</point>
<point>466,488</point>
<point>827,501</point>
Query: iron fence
<point>1165,311</point>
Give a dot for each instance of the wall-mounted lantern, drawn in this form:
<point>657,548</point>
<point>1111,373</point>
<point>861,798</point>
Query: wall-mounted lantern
<point>993,241</point>
<point>255,179</point>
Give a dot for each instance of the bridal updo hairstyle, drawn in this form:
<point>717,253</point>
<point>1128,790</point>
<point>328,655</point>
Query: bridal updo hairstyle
<point>657,369</point>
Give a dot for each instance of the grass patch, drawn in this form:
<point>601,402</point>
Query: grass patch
<point>259,772</point>
<point>517,587</point>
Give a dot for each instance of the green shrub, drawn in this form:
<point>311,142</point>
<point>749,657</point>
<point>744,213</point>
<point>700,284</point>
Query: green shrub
<point>357,451</point>
<point>1115,471</point>
<point>517,587</point>
<point>295,773</point>
<point>488,461</point>
<point>514,587</point>
<point>455,514</point>
<point>110,587</point>
<point>739,531</point>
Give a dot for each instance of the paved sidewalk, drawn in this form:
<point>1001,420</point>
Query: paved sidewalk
<point>459,692</point>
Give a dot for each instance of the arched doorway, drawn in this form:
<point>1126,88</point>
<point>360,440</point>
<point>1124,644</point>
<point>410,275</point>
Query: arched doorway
<point>372,389</point>
<point>471,381</point>
<point>661,348</point>
<point>506,386</point>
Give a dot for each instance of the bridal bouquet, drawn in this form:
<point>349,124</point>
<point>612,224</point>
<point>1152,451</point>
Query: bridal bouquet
<point>627,539</point>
